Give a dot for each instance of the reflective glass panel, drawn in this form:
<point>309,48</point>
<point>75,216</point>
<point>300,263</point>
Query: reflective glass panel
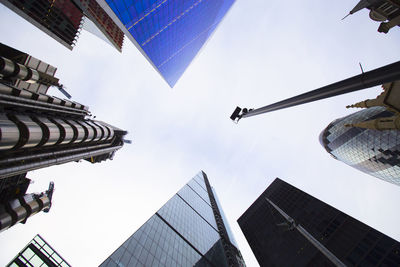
<point>199,190</point>
<point>154,244</point>
<point>170,32</point>
<point>198,204</point>
<point>200,180</point>
<point>372,151</point>
<point>189,224</point>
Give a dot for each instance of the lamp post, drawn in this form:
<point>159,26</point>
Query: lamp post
<point>385,74</point>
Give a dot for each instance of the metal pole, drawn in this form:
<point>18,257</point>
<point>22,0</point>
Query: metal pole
<point>385,74</point>
<point>309,237</point>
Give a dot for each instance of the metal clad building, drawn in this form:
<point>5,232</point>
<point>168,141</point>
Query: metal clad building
<point>372,151</point>
<point>187,231</point>
<point>31,62</point>
<point>169,33</point>
<point>59,19</point>
<point>38,131</point>
<point>62,19</point>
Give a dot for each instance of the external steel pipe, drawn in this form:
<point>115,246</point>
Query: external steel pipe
<point>6,172</point>
<point>66,132</point>
<point>53,131</point>
<point>9,133</point>
<point>56,105</point>
<point>103,130</point>
<point>7,67</point>
<point>51,154</point>
<point>19,210</point>
<point>89,130</point>
<point>22,131</point>
<point>12,103</point>
<point>79,131</point>
<point>24,93</point>
<point>5,219</point>
<point>30,132</point>
<point>111,131</point>
<point>23,72</point>
<point>11,69</point>
<point>97,130</point>
<point>108,132</point>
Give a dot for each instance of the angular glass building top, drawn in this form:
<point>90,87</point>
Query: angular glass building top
<point>372,151</point>
<point>170,32</point>
<point>186,231</point>
<point>38,253</point>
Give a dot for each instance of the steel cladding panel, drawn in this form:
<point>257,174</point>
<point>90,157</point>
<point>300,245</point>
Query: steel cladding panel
<point>61,18</point>
<point>170,32</point>
<point>102,20</point>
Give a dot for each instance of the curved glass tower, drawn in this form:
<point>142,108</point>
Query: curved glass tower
<point>376,152</point>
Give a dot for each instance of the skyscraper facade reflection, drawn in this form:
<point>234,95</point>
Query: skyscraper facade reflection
<point>168,33</point>
<point>189,230</point>
<point>376,152</point>
<point>277,242</point>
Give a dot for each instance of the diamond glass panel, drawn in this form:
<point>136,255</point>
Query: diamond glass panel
<point>371,151</point>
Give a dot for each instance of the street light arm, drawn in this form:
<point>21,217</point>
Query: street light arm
<point>382,75</point>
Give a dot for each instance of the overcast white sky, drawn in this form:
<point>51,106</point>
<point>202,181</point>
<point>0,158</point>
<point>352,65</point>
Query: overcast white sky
<point>263,52</point>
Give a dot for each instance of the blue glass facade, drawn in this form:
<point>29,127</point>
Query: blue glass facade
<point>170,32</point>
<point>183,232</point>
<point>371,151</point>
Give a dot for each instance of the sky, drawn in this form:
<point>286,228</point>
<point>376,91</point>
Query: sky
<point>262,52</point>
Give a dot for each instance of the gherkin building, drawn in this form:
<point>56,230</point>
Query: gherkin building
<point>376,152</point>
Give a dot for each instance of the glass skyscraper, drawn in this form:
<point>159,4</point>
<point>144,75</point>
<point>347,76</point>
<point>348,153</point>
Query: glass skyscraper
<point>38,253</point>
<point>275,243</point>
<point>189,230</point>
<point>376,152</point>
<point>169,33</point>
